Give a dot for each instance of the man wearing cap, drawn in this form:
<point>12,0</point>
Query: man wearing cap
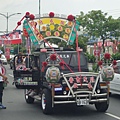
<point>2,79</point>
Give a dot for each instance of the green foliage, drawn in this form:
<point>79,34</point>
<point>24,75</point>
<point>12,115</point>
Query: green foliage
<point>116,56</point>
<point>81,43</point>
<point>95,67</point>
<point>98,24</point>
<point>91,58</point>
<point>118,47</point>
<point>2,48</point>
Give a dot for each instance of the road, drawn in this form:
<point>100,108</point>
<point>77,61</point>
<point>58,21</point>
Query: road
<point>18,109</point>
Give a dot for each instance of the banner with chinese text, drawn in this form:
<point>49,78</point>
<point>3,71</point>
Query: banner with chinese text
<point>11,38</point>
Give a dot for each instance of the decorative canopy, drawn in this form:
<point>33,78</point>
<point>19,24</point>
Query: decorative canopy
<point>51,26</point>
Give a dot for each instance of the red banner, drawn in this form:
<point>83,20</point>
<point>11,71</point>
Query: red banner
<point>11,38</point>
<point>7,53</point>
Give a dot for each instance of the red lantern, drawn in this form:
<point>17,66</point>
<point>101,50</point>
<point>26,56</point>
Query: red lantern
<point>18,23</point>
<point>70,18</point>
<point>107,56</point>
<point>32,17</point>
<point>100,63</point>
<point>44,64</point>
<point>53,57</point>
<point>27,14</point>
<point>114,62</point>
<point>51,14</point>
<point>61,63</point>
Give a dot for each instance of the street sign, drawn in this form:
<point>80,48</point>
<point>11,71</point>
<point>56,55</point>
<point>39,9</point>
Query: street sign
<point>12,51</point>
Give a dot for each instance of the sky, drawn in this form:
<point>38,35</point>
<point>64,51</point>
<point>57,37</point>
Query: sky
<point>112,7</point>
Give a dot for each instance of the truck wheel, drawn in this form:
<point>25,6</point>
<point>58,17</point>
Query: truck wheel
<point>28,99</point>
<point>46,101</point>
<point>102,106</point>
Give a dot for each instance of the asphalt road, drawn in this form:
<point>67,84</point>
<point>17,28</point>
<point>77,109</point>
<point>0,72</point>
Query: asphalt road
<point>18,109</point>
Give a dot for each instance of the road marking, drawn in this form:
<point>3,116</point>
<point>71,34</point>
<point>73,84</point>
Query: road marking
<point>10,75</point>
<point>114,116</point>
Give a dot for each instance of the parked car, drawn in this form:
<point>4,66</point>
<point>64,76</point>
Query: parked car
<point>11,63</point>
<point>3,59</point>
<point>115,84</point>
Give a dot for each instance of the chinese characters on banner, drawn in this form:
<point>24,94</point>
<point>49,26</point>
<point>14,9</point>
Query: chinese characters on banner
<point>11,38</point>
<point>8,39</point>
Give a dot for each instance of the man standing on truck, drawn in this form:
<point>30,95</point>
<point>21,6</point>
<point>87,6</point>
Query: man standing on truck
<point>19,59</point>
<point>2,79</point>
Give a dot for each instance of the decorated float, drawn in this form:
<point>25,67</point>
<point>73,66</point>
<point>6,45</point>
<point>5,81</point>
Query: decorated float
<point>60,75</point>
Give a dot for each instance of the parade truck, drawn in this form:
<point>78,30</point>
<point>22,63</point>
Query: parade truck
<point>60,75</point>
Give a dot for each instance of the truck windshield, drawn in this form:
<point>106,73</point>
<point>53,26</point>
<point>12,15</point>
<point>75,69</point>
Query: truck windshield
<point>70,58</point>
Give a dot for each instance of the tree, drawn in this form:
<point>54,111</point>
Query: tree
<point>97,24</point>
<point>81,43</point>
<point>114,27</point>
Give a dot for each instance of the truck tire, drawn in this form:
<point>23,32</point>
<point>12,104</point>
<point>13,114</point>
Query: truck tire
<point>28,99</point>
<point>102,106</point>
<point>46,101</point>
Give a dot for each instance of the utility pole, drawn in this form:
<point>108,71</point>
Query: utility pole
<point>39,15</point>
<point>7,17</point>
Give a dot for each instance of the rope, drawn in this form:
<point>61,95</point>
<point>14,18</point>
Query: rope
<point>58,56</point>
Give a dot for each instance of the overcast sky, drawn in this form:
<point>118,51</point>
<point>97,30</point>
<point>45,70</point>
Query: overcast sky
<point>112,7</point>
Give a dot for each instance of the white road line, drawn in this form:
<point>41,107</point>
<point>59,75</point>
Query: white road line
<point>114,116</point>
<point>10,75</point>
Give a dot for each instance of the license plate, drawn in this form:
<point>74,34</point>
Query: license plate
<point>82,102</point>
<point>58,89</point>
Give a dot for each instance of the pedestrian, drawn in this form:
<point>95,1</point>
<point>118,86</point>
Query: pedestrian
<point>2,79</point>
<point>19,59</point>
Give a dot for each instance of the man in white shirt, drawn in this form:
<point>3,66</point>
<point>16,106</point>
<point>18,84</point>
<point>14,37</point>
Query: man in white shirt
<point>2,79</point>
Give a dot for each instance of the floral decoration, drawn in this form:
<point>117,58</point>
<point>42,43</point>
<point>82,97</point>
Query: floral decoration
<point>32,17</point>
<point>61,64</point>
<point>53,57</point>
<point>27,14</point>
<point>107,56</point>
<point>114,62</point>
<point>51,14</point>
<point>18,23</point>
<point>100,63</point>
<point>70,17</point>
<point>44,64</point>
